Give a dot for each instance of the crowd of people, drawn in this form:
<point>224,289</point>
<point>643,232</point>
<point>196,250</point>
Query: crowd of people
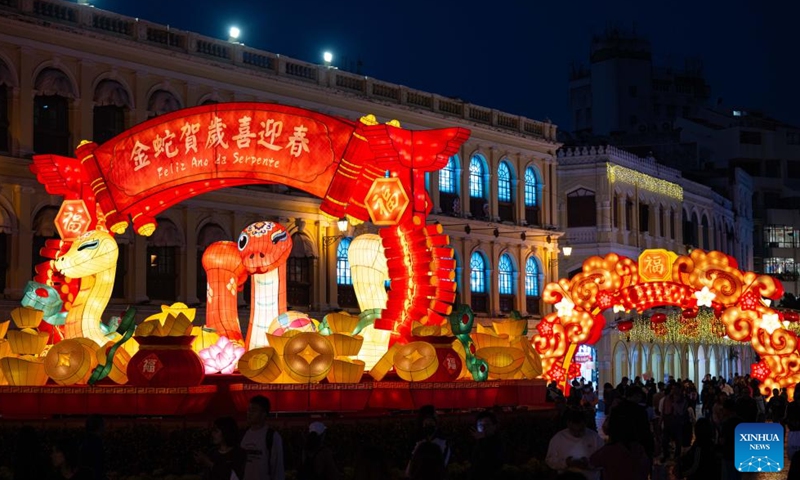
<point>654,429</point>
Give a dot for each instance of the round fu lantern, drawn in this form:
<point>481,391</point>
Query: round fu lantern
<point>308,357</point>
<point>70,361</point>
<point>450,362</point>
<point>416,361</point>
<point>165,362</point>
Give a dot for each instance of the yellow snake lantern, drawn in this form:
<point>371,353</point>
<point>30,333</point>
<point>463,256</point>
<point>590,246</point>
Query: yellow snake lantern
<point>93,259</point>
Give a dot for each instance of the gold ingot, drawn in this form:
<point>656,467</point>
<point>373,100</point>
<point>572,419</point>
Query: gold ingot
<point>532,365</point>
<point>148,328</point>
<point>342,322</point>
<point>4,328</point>
<point>71,361</point>
<point>512,328</point>
<point>25,317</point>
<point>278,342</point>
<point>346,345</point>
<point>346,370</point>
<point>382,366</point>
<point>260,365</point>
<point>485,340</point>
<point>5,349</point>
<point>503,362</point>
<point>416,361</point>
<point>119,367</point>
<point>419,330</point>
<point>308,357</point>
<point>27,341</point>
<point>24,371</point>
<point>177,326</point>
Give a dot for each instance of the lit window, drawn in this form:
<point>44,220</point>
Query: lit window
<point>343,263</point>
<point>447,177</point>
<point>531,198</point>
<point>531,277</point>
<point>476,177</point>
<point>505,275</point>
<point>504,182</point>
<point>477,276</point>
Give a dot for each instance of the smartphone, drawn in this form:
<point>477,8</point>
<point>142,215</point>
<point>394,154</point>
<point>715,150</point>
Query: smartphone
<point>480,427</point>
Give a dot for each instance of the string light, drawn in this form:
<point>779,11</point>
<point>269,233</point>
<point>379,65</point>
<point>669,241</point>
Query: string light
<point>705,329</point>
<point>617,173</point>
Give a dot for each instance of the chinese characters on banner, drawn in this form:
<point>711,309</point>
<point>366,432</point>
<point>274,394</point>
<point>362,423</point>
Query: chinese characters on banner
<point>656,265</point>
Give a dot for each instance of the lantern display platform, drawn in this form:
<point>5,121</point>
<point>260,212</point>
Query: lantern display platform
<point>106,400</point>
<point>391,395</point>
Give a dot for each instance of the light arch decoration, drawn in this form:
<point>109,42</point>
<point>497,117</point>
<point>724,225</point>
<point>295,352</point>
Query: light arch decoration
<point>362,170</point>
<point>740,302</point>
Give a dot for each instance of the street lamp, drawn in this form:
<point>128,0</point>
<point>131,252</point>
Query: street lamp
<point>342,225</point>
<point>327,57</point>
<point>233,34</point>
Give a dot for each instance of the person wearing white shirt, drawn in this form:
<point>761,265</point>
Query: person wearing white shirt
<point>570,449</point>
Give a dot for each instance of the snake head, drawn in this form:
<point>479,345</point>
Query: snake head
<point>264,246</point>
<point>93,252</point>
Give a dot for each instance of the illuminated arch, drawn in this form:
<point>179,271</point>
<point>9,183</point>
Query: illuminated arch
<point>701,280</point>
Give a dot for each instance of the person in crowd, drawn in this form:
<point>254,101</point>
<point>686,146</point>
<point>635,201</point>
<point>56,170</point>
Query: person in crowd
<point>623,457</point>
<point>553,392</point>
<point>675,415</point>
<point>30,457</point>
<point>371,463</point>
<point>727,439</point>
<point>792,422</point>
<point>488,456</point>
<point>429,427</point>
<point>776,406</point>
<point>622,387</point>
<point>317,462</point>
<point>65,457</point>
<point>657,399</point>
<point>700,462</point>
<point>226,457</point>
<point>262,444</point>
<point>575,394</point>
<point>569,449</point>
<point>609,394</point>
<point>92,450</point>
<point>427,463</point>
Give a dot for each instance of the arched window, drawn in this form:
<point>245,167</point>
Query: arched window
<point>449,198</point>
<point>447,177</point>
<point>505,192</point>
<point>505,281</point>
<point>532,286</point>
<point>7,82</point>
<point>344,281</point>
<point>51,132</point>
<point>476,189</point>
<point>111,103</point>
<point>161,102</point>
<point>44,229</point>
<point>299,269</point>
<point>477,282</point>
<point>581,208</point>
<point>162,261</point>
<point>478,205</point>
<point>531,196</point>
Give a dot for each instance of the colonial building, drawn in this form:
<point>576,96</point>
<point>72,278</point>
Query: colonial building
<point>70,72</point>
<point>614,201</point>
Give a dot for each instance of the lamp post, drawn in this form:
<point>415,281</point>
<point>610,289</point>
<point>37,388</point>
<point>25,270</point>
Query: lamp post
<point>566,250</point>
<point>342,225</point>
<point>233,34</point>
<point>327,57</point>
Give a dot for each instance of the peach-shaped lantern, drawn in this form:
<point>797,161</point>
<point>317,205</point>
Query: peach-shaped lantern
<point>203,338</point>
<point>27,341</point>
<point>308,357</point>
<point>70,361</point>
<point>260,365</point>
<point>416,361</point>
<point>25,371</point>
<point>346,370</point>
<point>25,317</point>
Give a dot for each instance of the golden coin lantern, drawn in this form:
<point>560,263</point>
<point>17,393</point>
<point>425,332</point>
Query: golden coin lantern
<point>308,357</point>
<point>416,361</point>
<point>70,361</point>
<point>24,371</point>
<point>260,365</point>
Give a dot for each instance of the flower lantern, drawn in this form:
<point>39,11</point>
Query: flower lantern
<point>221,357</point>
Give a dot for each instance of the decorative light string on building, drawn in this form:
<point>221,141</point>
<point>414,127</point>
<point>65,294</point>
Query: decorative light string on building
<point>617,173</point>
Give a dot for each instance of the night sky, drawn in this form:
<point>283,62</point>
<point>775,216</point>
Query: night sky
<point>512,55</point>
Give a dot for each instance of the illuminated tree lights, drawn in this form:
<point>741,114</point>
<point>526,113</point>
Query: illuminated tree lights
<point>716,300</point>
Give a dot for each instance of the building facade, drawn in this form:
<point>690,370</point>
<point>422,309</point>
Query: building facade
<point>614,201</point>
<point>70,72</point>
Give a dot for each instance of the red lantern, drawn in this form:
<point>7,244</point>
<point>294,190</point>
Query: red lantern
<point>689,313</point>
<point>165,362</point>
<point>659,318</point>
<point>625,325</point>
<point>791,316</point>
